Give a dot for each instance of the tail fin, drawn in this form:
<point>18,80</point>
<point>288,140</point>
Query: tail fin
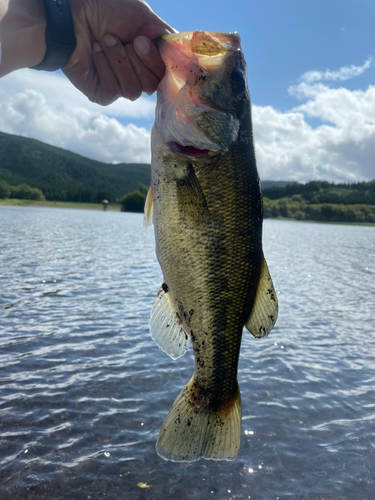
<point>193,430</point>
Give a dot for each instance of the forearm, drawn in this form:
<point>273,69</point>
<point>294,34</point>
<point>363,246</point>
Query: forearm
<point>22,34</point>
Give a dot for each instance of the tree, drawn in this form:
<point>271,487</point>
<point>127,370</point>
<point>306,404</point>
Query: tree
<point>133,202</point>
<point>4,190</point>
<point>25,192</point>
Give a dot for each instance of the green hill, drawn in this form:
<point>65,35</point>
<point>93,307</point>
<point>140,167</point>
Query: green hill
<point>321,201</point>
<point>66,176</point>
<point>324,192</point>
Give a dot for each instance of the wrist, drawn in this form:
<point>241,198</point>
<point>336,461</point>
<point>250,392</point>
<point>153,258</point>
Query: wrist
<point>60,36</point>
<point>22,34</point>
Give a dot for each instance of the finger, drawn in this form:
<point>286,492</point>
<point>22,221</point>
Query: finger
<point>122,67</point>
<point>109,88</point>
<point>147,78</point>
<point>149,55</point>
<point>154,26</point>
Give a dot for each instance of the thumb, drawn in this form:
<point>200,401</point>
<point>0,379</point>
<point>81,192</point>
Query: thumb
<point>156,27</point>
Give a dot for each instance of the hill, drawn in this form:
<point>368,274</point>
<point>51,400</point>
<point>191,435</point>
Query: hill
<point>66,176</point>
<point>321,201</point>
<point>324,192</point>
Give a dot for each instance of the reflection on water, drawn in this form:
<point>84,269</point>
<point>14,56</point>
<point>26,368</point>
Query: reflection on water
<point>83,389</point>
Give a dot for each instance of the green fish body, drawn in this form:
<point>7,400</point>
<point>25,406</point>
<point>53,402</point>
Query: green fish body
<point>206,206</point>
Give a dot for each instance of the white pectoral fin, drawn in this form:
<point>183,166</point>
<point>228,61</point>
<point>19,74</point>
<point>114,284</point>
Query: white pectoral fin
<point>166,326</point>
<point>265,309</point>
<point>149,208</point>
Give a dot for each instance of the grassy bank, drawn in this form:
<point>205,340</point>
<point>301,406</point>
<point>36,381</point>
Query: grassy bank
<point>59,204</point>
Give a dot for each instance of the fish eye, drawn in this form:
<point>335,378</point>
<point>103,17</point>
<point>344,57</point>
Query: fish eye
<point>238,79</point>
<point>237,75</point>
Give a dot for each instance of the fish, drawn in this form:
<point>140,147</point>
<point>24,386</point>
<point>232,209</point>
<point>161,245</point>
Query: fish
<point>205,203</point>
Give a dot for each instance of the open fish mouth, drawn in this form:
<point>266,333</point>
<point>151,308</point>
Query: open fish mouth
<point>174,147</point>
<point>195,112</point>
<point>202,43</point>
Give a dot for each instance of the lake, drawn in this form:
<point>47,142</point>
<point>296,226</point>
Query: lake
<point>84,390</point>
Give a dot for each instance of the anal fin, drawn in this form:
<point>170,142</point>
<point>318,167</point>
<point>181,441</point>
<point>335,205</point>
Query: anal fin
<point>166,326</point>
<point>265,309</point>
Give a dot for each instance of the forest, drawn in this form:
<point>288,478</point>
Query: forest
<point>321,201</point>
<point>65,176</point>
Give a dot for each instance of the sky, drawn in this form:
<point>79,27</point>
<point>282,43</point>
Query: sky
<point>311,73</point>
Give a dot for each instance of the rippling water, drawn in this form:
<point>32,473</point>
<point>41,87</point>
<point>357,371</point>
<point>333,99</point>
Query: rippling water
<point>83,389</point>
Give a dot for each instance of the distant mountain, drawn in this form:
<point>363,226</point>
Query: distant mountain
<point>66,176</point>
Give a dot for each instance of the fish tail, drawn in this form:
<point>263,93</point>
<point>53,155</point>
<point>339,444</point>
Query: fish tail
<point>195,429</point>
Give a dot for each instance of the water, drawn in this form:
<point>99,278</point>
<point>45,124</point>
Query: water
<point>83,389</point>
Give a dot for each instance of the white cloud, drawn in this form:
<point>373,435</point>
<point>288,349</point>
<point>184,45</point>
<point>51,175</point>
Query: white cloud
<point>341,148</point>
<point>47,107</point>
<point>288,148</point>
<point>344,73</point>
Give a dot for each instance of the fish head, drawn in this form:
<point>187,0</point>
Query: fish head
<point>203,97</point>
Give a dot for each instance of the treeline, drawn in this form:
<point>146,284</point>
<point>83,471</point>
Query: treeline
<point>21,192</point>
<point>26,192</point>
<point>79,195</point>
<point>316,201</point>
<point>130,202</point>
<point>321,201</point>
<point>317,192</point>
<point>296,207</point>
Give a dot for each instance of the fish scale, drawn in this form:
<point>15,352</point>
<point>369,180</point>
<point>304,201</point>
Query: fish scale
<point>231,216</point>
<point>207,212</point>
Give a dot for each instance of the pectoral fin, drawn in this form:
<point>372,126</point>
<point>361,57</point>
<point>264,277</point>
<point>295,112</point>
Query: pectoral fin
<point>166,326</point>
<point>191,200</point>
<point>265,309</point>
<point>149,208</point>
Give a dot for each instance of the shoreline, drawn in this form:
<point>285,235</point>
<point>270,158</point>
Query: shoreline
<point>116,207</point>
<point>336,223</point>
<point>13,202</point>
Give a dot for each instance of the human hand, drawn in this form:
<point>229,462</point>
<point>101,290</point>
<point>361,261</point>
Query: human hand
<point>126,70</point>
<point>115,55</point>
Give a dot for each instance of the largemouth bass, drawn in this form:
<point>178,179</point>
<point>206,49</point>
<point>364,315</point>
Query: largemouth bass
<point>206,206</point>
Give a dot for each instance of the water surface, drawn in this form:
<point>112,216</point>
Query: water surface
<point>84,391</point>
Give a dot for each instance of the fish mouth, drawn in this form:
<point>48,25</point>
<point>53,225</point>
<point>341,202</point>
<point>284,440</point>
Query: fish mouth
<point>192,116</point>
<point>193,151</point>
<point>202,43</point>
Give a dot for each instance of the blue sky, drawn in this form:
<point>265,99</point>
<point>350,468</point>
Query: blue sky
<point>282,39</point>
<point>311,69</point>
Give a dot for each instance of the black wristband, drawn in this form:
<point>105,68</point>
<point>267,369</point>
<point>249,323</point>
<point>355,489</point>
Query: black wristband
<point>60,38</point>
